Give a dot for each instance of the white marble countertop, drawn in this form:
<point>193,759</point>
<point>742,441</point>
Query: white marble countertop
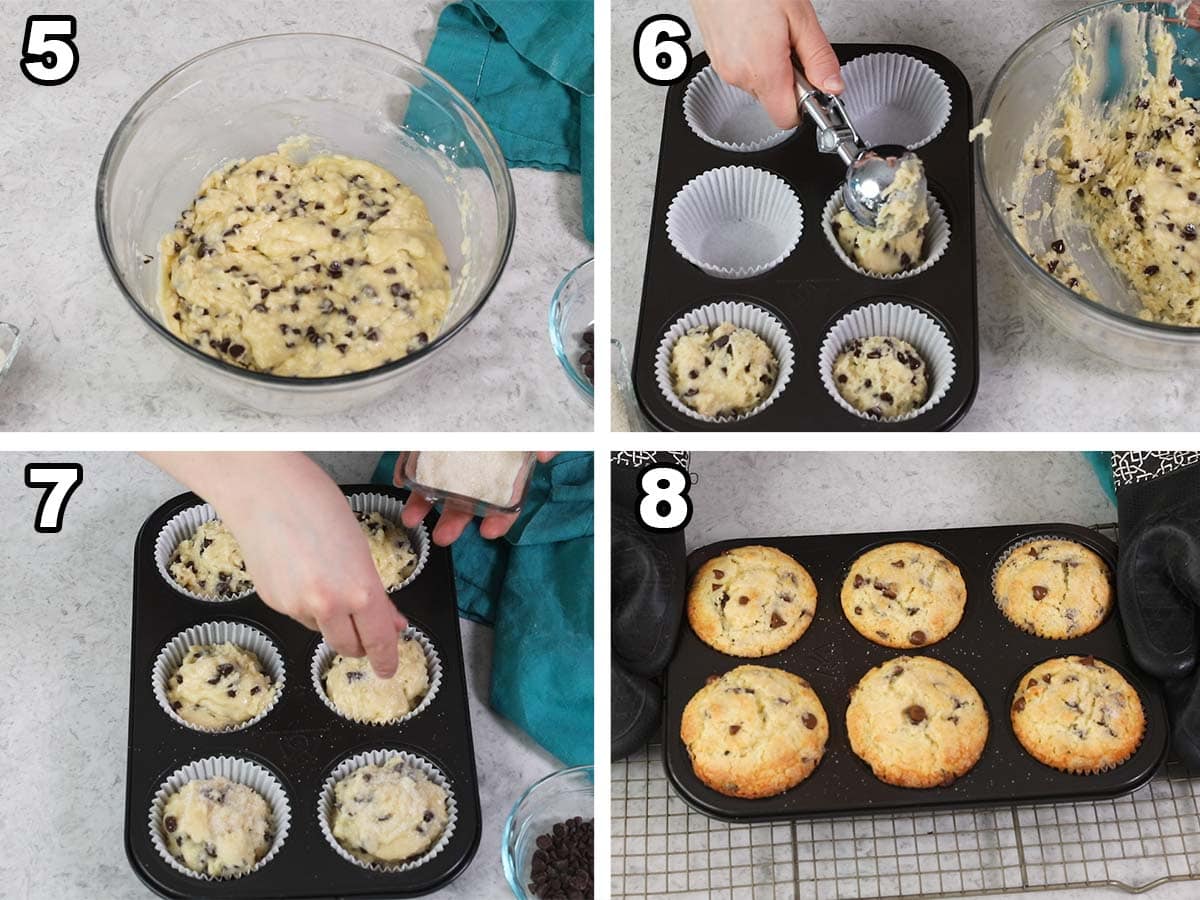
<point>64,688</point>
<point>846,492</point>
<point>1031,378</point>
<point>89,364</point>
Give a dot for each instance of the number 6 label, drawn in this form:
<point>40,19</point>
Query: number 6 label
<point>48,54</point>
<point>660,52</point>
<point>663,502</point>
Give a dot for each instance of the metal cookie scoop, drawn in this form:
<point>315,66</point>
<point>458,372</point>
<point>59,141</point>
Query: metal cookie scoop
<point>870,170</point>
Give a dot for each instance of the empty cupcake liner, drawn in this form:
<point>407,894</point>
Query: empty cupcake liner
<point>323,658</point>
<point>735,222</point>
<point>1025,542</point>
<point>894,320</point>
<point>179,528</point>
<point>242,771</point>
<point>391,508</point>
<point>742,315</point>
<point>244,636</point>
<point>377,758</point>
<point>937,239</point>
<point>895,99</point>
<point>728,117</point>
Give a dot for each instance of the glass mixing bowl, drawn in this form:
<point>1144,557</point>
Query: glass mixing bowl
<point>561,795</point>
<point>1018,98</point>
<point>572,313</point>
<point>350,97</point>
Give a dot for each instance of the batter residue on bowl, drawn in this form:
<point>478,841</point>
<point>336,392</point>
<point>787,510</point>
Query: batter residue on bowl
<point>304,269</point>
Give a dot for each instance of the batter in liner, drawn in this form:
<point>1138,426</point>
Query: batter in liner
<point>724,371</point>
<point>219,686</point>
<point>304,269</point>
<point>883,377</point>
<point>361,695</point>
<point>217,827</point>
<point>897,242</point>
<point>391,549</point>
<point>389,813</point>
<point>210,563</point>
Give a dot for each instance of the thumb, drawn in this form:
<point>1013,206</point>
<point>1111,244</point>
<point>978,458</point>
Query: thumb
<point>820,63</point>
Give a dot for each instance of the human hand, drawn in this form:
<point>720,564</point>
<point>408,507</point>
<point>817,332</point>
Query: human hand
<point>302,546</point>
<point>452,522</point>
<point>751,44</point>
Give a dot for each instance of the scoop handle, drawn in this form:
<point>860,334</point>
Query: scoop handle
<point>835,132</point>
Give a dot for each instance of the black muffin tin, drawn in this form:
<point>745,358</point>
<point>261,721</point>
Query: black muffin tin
<point>986,648</point>
<point>300,741</point>
<point>811,289</point>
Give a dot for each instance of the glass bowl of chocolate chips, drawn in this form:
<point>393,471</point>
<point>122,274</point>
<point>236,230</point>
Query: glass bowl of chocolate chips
<point>572,329</point>
<point>549,838</point>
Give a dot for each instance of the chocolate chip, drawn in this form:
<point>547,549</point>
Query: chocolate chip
<point>1059,247</point>
<point>717,573</point>
<point>859,581</point>
<point>777,621</point>
<point>254,690</point>
<point>170,823</point>
<point>858,610</point>
<point>1040,592</point>
<point>917,638</point>
<point>734,729</point>
<point>915,713</point>
<point>1019,706</point>
<point>335,269</point>
<point>809,720</point>
<point>743,601</point>
<point>1150,270</point>
<point>898,564</point>
<point>1032,683</point>
<point>399,291</point>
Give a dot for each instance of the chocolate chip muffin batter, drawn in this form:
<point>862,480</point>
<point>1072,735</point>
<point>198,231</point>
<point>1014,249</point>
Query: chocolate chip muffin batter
<point>217,827</point>
<point>210,563</point>
<point>883,377</point>
<point>722,372</point>
<point>388,813</point>
<point>360,694</point>
<point>304,269</point>
<point>391,548</point>
<point>219,686</point>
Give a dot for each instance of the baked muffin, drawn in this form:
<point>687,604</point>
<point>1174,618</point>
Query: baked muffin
<point>359,694</point>
<point>751,601</point>
<point>904,595</point>
<point>1078,714</point>
<point>722,372</point>
<point>218,827</point>
<point>210,564</point>
<point>754,732</point>
<point>388,814</point>
<point>883,377</point>
<point>219,686</point>
<point>917,722</point>
<point>1054,588</point>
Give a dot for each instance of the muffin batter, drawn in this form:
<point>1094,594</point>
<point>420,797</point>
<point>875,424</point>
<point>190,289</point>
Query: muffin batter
<point>897,242</point>
<point>883,377</point>
<point>217,827</point>
<point>304,269</point>
<point>388,814</point>
<point>219,686</point>
<point>210,563</point>
<point>722,372</point>
<point>1127,170</point>
<point>391,549</point>
<point>358,693</point>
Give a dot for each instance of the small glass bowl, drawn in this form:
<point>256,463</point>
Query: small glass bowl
<point>572,312</point>
<point>10,340</point>
<point>559,796</point>
<point>405,476</point>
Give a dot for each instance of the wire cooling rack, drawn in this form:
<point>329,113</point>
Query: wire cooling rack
<point>660,846</point>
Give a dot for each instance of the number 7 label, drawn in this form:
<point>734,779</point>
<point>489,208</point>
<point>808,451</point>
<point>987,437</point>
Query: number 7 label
<point>60,479</point>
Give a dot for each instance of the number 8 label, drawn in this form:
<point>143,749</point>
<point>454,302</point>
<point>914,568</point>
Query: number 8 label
<point>664,504</point>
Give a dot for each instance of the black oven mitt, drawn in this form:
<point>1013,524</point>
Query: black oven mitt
<point>1158,578</point>
<point>649,581</point>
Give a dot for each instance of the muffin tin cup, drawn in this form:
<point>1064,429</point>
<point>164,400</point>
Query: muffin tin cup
<point>180,528</point>
<point>1025,541</point>
<point>893,98</point>
<point>391,508</point>
<point>728,117</point>
<point>376,758</point>
<point>937,239</point>
<point>242,771</point>
<point>894,320</point>
<point>985,647</point>
<point>743,315</point>
<point>237,633</point>
<point>735,222</point>
<point>323,658</point>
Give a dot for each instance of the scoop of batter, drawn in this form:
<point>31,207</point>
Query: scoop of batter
<point>219,686</point>
<point>883,377</point>
<point>217,827</point>
<point>897,242</point>
<point>389,813</point>
<point>304,269</point>
<point>722,372</point>
<point>391,548</point>
<point>210,563</point>
<point>358,693</point>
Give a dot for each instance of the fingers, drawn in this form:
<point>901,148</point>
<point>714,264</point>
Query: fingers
<point>820,63</point>
<point>775,88</point>
<point>546,455</point>
<point>415,509</point>
<point>450,527</point>
<point>496,526</point>
<point>376,627</point>
<point>339,631</point>
<point>400,619</point>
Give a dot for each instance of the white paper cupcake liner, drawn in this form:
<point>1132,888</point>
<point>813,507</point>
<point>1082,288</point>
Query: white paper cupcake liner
<point>376,758</point>
<point>937,239</point>
<point>735,222</point>
<point>894,320</point>
<point>323,658</point>
<point>181,527</point>
<point>895,99</point>
<point>728,117</point>
<point>742,315</point>
<point>391,508</point>
<point>244,636</point>
<point>242,771</point>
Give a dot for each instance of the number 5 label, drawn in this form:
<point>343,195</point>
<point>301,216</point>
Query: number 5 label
<point>60,479</point>
<point>48,55</point>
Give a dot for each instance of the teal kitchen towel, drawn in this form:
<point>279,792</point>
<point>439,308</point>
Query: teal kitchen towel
<point>527,66</point>
<point>1101,463</point>
<point>534,587</point>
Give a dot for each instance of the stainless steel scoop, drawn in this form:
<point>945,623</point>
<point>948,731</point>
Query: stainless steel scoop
<point>869,170</point>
